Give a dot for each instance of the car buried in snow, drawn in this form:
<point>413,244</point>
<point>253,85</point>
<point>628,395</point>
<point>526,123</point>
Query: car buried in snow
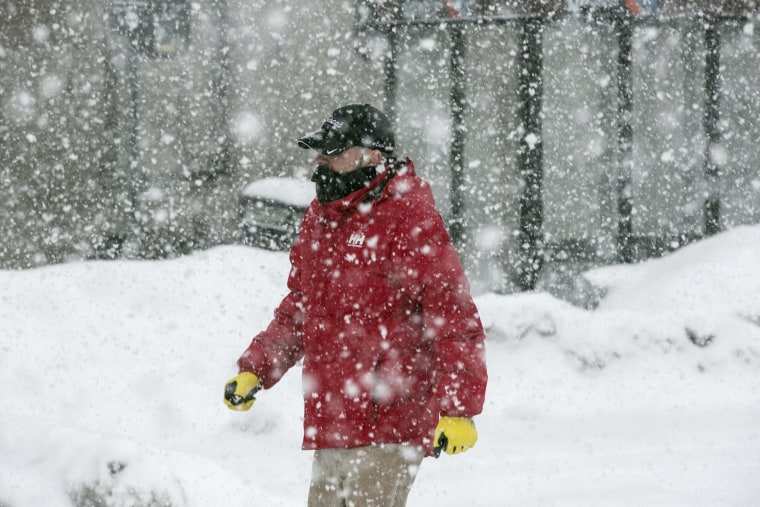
<point>271,210</point>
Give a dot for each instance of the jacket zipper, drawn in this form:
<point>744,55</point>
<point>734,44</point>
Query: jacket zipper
<point>374,399</point>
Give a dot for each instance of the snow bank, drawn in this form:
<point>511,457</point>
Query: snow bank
<point>111,379</point>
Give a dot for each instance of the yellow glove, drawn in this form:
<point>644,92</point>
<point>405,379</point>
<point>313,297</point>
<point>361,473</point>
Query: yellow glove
<point>454,435</point>
<point>240,391</point>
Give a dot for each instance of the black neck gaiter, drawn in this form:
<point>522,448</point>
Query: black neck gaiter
<point>332,186</point>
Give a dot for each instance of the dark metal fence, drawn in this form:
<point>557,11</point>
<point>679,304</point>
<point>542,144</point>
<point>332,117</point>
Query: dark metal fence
<point>532,20</point>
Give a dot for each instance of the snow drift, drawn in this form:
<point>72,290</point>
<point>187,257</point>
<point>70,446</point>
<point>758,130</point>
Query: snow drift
<point>111,380</point>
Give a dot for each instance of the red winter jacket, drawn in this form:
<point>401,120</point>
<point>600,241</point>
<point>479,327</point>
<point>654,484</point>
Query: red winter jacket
<point>380,311</point>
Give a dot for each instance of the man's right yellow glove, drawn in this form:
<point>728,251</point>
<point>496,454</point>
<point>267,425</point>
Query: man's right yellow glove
<point>454,435</point>
<point>240,391</point>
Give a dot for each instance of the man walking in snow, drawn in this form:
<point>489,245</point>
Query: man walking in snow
<point>380,311</point>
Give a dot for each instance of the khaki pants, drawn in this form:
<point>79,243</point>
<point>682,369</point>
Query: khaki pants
<point>372,476</point>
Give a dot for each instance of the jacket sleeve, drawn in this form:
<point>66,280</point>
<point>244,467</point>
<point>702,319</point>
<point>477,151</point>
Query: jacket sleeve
<point>276,349</point>
<point>428,268</point>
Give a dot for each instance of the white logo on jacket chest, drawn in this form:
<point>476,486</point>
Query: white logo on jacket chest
<point>356,240</point>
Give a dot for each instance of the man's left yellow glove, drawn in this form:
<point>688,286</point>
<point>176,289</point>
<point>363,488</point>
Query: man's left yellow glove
<point>454,435</point>
<point>240,391</point>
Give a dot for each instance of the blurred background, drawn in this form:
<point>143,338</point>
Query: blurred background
<point>557,135</point>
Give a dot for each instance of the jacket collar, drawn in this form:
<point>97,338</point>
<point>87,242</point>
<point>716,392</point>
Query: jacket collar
<point>335,209</point>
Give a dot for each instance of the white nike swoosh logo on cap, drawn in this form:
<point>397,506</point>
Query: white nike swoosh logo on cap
<point>330,152</point>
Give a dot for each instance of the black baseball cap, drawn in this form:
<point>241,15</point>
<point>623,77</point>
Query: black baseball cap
<point>351,125</point>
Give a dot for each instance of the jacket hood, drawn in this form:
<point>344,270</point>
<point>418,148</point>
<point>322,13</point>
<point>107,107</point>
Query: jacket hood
<point>407,184</point>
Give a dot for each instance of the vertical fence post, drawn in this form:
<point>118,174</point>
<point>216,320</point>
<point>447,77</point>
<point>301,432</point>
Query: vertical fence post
<point>625,137</point>
<point>530,156</point>
<point>134,174</point>
<point>390,70</point>
<point>456,155</point>
<point>712,132</point>
<point>221,146</point>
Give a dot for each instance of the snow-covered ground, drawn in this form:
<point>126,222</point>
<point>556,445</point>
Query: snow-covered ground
<point>111,380</point>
